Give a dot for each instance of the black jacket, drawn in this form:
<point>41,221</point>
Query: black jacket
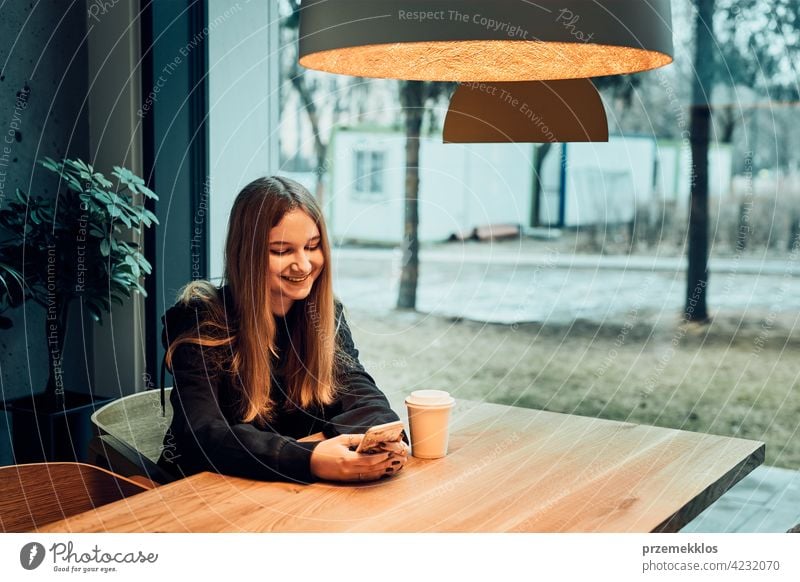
<point>207,434</point>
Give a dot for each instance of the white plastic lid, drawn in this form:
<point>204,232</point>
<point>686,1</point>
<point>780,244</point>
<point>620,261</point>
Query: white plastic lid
<point>430,398</point>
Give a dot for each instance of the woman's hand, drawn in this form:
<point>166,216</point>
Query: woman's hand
<point>398,448</point>
<point>334,460</point>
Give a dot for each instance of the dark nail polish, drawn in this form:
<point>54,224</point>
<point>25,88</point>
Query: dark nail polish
<point>395,462</point>
<point>390,470</point>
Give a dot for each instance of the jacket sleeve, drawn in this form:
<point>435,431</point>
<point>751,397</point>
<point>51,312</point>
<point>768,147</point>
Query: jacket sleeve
<point>359,404</point>
<point>207,441</point>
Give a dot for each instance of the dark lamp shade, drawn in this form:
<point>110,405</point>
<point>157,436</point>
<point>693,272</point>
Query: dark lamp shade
<point>526,112</point>
<point>485,40</point>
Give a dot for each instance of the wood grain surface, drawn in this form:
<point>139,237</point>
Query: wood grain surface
<point>508,469</point>
<point>36,494</point>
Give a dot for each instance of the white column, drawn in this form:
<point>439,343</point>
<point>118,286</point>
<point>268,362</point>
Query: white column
<point>244,96</point>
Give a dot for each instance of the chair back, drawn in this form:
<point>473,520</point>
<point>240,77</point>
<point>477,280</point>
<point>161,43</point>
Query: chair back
<point>37,494</point>
<point>136,420</point>
<point>131,434</point>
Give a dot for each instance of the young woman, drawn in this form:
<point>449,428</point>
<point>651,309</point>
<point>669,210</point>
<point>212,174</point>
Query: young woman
<point>265,366</point>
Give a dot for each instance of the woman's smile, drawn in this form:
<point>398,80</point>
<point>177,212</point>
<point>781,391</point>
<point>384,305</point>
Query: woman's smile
<point>296,279</point>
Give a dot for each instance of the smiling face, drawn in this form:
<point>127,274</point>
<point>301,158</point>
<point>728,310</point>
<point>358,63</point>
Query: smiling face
<point>295,259</point>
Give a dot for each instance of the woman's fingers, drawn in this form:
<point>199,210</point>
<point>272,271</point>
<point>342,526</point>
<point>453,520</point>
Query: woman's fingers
<point>398,447</point>
<point>351,441</point>
<point>377,465</point>
<point>391,465</point>
<point>371,461</point>
<point>397,463</point>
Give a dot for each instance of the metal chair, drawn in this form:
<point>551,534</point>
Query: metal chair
<point>37,494</point>
<point>130,435</point>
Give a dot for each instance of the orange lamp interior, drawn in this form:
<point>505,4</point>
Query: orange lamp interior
<point>488,60</point>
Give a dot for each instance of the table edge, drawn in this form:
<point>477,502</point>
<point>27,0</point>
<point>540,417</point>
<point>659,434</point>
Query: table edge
<point>713,492</point>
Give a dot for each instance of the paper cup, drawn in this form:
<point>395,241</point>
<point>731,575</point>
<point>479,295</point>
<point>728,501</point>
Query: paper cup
<point>429,420</point>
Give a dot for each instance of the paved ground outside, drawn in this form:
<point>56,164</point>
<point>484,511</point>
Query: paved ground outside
<point>501,283</point>
<point>766,501</point>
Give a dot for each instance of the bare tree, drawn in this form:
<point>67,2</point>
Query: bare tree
<point>740,53</point>
<point>306,89</point>
<point>695,308</point>
<point>414,98</point>
<point>757,56</point>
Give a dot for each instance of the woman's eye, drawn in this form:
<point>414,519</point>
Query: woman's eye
<point>286,251</point>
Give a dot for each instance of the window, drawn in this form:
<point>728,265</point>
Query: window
<point>369,165</point>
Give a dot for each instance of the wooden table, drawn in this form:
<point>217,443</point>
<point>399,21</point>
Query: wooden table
<point>508,469</point>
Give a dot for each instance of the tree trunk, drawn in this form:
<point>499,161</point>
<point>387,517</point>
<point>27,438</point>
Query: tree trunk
<point>695,308</point>
<point>728,124</point>
<point>538,162</point>
<point>413,100</point>
<point>298,79</point>
<point>320,148</point>
<point>794,233</point>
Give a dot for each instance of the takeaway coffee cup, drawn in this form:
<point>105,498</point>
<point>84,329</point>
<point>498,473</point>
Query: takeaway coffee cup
<point>429,419</point>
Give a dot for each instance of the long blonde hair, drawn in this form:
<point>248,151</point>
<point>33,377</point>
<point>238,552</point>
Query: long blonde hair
<point>309,371</point>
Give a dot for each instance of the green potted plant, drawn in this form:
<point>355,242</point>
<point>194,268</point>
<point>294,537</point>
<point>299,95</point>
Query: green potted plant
<point>73,249</point>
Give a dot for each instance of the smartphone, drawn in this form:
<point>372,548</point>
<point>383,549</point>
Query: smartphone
<point>382,433</point>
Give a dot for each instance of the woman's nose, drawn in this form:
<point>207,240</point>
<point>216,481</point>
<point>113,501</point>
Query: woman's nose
<point>302,263</point>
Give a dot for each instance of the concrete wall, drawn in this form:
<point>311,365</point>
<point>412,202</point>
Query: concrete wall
<point>43,56</point>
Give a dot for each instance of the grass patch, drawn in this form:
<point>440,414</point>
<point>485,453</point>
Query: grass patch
<point>731,378</point>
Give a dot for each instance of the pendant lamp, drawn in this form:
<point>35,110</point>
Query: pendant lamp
<point>526,111</point>
<point>485,40</point>
<point>540,52</point>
